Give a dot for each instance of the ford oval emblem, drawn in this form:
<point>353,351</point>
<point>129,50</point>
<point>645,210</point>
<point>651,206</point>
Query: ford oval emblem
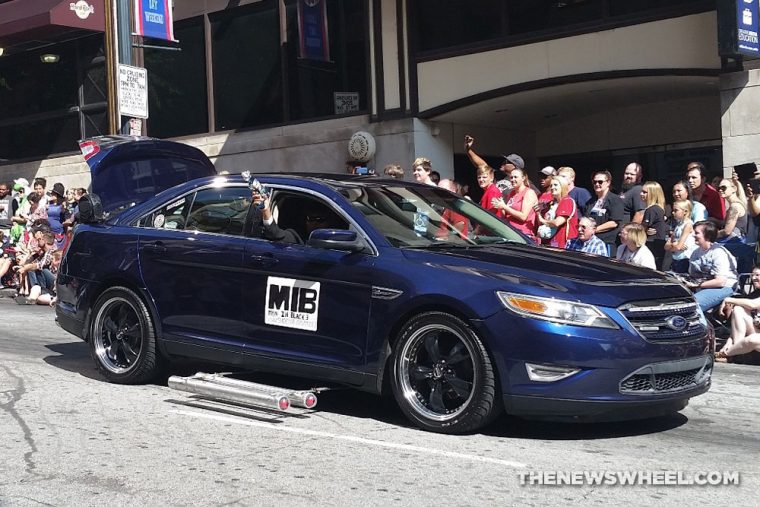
<point>677,323</point>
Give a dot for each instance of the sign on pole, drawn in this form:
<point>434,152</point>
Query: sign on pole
<point>747,27</point>
<point>738,27</point>
<point>153,18</point>
<point>133,91</point>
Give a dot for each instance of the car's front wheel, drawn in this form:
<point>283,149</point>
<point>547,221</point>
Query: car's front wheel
<point>441,375</point>
<point>122,338</point>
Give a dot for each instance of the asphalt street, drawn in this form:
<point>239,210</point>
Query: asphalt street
<point>69,438</point>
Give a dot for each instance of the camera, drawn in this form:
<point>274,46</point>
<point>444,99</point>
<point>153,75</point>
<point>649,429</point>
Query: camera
<point>755,186</point>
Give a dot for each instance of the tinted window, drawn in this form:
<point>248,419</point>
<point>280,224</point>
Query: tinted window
<point>170,216</point>
<point>454,22</point>
<point>619,7</point>
<point>247,66</point>
<point>220,210</point>
<point>312,83</point>
<point>177,84</point>
<point>131,182</point>
<point>535,15</point>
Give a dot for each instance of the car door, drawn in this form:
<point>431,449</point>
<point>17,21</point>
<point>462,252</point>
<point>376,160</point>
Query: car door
<point>191,253</point>
<point>303,303</point>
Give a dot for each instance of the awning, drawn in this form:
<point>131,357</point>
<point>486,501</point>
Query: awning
<point>26,24</point>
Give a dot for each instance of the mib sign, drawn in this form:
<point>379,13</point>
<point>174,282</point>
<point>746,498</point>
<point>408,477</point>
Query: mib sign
<point>738,27</point>
<point>133,91</point>
<point>292,303</point>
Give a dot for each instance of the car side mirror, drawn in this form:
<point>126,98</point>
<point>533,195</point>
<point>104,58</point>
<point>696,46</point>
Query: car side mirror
<point>336,239</point>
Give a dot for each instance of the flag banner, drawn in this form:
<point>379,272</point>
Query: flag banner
<point>153,18</point>
<point>312,30</point>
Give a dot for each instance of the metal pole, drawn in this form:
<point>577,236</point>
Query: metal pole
<point>114,119</point>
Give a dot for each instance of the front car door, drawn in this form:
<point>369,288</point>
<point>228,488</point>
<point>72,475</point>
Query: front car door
<point>305,303</point>
<point>191,252</point>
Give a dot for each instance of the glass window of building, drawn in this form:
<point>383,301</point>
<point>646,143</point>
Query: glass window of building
<point>177,100</point>
<point>456,22</point>
<point>248,87</point>
<point>313,82</point>
<point>622,7</point>
<point>537,15</point>
<point>46,107</point>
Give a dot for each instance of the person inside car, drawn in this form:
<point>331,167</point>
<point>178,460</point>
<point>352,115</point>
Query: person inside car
<point>317,217</point>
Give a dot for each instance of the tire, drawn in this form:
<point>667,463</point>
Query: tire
<point>122,338</point>
<point>441,375</point>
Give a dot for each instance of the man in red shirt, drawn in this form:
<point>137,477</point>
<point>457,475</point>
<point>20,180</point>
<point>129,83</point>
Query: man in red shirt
<point>705,193</point>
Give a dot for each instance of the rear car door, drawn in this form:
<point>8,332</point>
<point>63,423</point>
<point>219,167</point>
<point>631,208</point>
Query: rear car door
<point>191,257</point>
<point>305,303</point>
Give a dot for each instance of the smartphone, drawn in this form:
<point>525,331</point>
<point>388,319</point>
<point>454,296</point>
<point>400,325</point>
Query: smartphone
<point>361,170</point>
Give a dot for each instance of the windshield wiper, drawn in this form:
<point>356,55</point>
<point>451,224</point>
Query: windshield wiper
<point>438,246</point>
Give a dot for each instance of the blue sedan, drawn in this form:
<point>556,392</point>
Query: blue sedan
<point>382,285</point>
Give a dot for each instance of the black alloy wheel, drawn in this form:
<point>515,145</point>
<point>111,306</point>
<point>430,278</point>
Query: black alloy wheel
<point>442,377</point>
<point>122,339</point>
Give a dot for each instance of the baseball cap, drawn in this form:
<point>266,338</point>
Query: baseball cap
<point>515,159</point>
<point>548,171</point>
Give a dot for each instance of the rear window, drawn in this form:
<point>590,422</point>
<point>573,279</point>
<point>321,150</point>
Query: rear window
<point>127,183</point>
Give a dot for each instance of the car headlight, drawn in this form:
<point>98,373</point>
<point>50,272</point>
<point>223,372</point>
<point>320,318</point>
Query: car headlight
<point>556,310</point>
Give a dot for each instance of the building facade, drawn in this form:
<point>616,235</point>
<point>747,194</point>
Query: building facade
<point>261,86</point>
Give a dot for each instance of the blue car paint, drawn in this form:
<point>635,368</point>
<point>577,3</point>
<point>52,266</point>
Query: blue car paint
<point>214,309</point>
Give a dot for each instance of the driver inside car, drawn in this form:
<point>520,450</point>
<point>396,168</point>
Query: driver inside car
<point>317,217</point>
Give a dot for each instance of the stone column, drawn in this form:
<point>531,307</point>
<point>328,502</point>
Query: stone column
<point>740,121</point>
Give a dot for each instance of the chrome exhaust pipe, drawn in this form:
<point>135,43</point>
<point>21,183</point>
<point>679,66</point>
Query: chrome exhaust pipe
<point>303,399</point>
<point>233,390</point>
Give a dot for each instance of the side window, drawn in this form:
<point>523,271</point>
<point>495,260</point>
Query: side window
<point>303,213</point>
<point>220,210</point>
<point>170,216</point>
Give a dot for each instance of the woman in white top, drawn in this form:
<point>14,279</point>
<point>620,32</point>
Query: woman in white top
<point>633,249</point>
<point>681,242</point>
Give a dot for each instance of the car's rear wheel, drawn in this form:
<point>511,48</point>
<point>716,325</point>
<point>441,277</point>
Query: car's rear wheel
<point>441,375</point>
<point>122,338</point>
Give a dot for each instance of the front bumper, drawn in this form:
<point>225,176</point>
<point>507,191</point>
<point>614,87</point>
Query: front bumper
<point>620,374</point>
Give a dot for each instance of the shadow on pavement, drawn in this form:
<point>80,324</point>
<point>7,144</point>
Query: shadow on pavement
<point>73,357</point>
<point>514,427</point>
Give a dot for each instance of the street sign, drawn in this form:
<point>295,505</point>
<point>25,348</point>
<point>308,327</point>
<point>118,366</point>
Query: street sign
<point>133,91</point>
<point>346,102</point>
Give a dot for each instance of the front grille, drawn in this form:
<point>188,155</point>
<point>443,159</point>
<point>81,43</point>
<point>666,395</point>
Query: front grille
<point>664,382</point>
<point>664,378</point>
<point>669,320</point>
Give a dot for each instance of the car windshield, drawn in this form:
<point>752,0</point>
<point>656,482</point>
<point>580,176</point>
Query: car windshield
<point>428,217</point>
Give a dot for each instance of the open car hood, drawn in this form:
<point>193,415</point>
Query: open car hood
<point>127,170</point>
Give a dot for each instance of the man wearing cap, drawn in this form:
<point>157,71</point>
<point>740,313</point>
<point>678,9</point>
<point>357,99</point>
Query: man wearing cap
<point>545,180</point>
<point>510,162</point>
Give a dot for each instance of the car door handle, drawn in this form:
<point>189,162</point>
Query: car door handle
<point>263,259</point>
<point>156,247</point>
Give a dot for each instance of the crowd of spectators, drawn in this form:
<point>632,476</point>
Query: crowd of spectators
<point>35,224</point>
<point>704,234</point>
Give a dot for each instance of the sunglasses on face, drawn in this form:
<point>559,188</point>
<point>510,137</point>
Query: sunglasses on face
<point>723,188</point>
<point>600,182</point>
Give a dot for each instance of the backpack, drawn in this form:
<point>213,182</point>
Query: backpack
<point>90,209</point>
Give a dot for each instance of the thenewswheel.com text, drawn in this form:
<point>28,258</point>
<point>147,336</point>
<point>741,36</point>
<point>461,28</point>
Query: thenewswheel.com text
<point>629,478</point>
